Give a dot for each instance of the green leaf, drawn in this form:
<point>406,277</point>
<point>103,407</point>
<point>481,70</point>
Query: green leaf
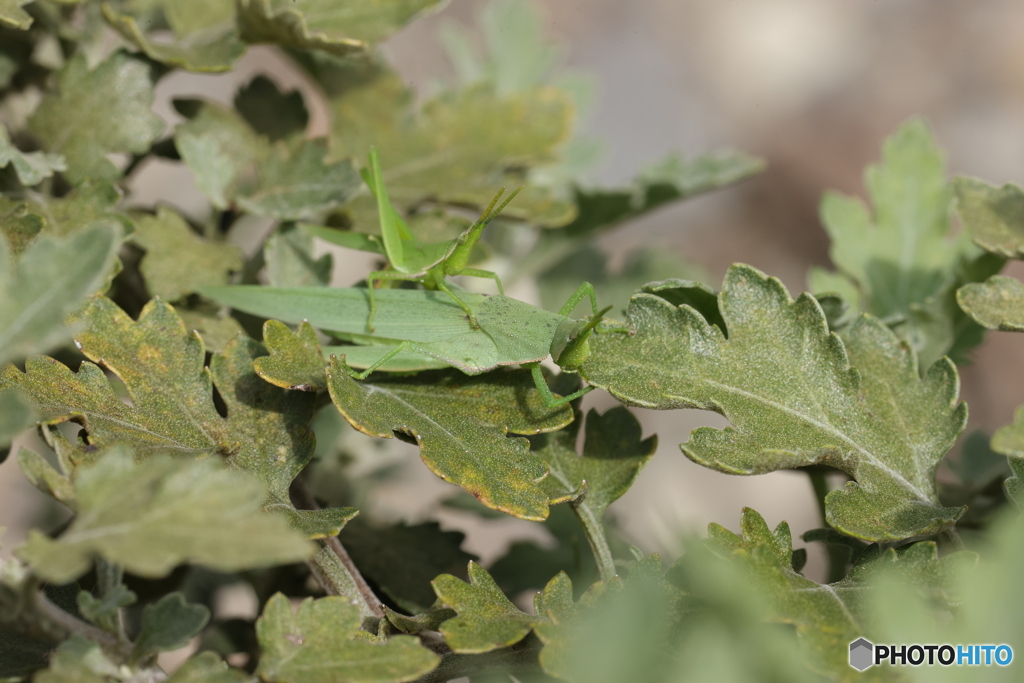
<point>32,168</point>
<point>271,112</point>
<point>16,415</point>
<point>168,624</point>
<point>12,15</point>
<point>290,262</point>
<point>45,478</point>
<point>461,425</point>
<point>215,327</point>
<point>105,611</point>
<point>460,148</point>
<point>317,523</point>
<point>997,303</point>
<point>902,261</point>
<point>487,619</point>
<point>336,28</point>
<point>151,516</point>
<point>49,281</point>
<point>322,643</point>
<point>993,217</point>
<point>205,36</point>
<point>177,260</point>
<point>93,113</point>
<point>207,667</point>
<point>788,389</point>
<point>78,660</point>
<point>162,366</point>
<point>18,225</point>
<point>556,608</point>
<point>1009,441</point>
<point>401,559</point>
<point>86,205</point>
<point>292,179</point>
<point>295,360</point>
<point>613,455</point>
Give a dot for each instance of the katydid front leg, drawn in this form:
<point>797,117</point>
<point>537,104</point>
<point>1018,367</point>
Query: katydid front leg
<point>376,276</point>
<point>550,400</point>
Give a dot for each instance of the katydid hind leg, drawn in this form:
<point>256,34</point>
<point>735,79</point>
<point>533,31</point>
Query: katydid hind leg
<point>550,400</point>
<point>380,362</point>
<point>486,274</point>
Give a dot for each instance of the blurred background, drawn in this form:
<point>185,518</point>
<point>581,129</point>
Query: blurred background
<point>811,86</point>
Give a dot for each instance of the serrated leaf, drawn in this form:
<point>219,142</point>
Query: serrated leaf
<point>295,360</point>
<point>168,624</point>
<point>901,260</point>
<point>32,168</point>
<point>293,181</point>
<point>151,516</point>
<point>997,303</point>
<point>460,148</point>
<point>827,617</point>
<point>177,260</point>
<point>290,262</point>
<point>322,643</point>
<point>207,667</point>
<point>206,41</point>
<point>88,204</point>
<point>1009,441</point>
<point>94,112</point>
<point>46,283</point>
<point>271,112</point>
<point>339,29</point>
<point>556,604</point>
<point>162,366</point>
<point>78,660</point>
<point>613,455</point>
<point>216,328</point>
<point>788,388</point>
<point>12,15</point>
<point>401,559</point>
<point>461,425</point>
<point>487,619</point>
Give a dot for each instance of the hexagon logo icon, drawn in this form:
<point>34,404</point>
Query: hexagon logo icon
<point>861,654</point>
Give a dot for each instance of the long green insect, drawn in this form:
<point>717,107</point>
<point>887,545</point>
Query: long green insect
<point>408,258</point>
<point>421,329</point>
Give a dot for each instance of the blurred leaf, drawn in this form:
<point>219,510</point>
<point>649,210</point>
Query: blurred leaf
<point>461,425</point>
<point>290,263</point>
<point>322,523</point>
<point>402,559</point>
<point>207,667</point>
<point>18,225</point>
<point>271,112</point>
<point>151,516</point>
<point>487,619</point>
<point>177,260</point>
<point>322,643</point>
<point>45,478</point>
<point>206,41</point>
<point>86,205</point>
<point>788,390</point>
<point>16,415</point>
<point>105,611</point>
<point>78,660</point>
<point>902,261</point>
<point>12,15</point>
<point>997,303</point>
<point>336,28</point>
<point>46,283</point>
<point>93,113</point>
<point>168,624</point>
<point>292,180</point>
<point>993,217</point>
<point>162,366</point>
<point>32,167</point>
<point>1009,441</point>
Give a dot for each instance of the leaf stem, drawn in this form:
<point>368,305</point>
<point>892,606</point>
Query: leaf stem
<point>598,541</point>
<point>333,567</point>
<point>836,568</point>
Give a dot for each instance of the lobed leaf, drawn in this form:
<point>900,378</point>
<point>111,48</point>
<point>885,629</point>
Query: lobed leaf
<point>177,260</point>
<point>153,515</point>
<point>997,303</point>
<point>322,643</point>
<point>78,660</point>
<point>168,624</point>
<point>32,167</point>
<point>1009,441</point>
<point>290,261</point>
<point>788,388</point>
<point>207,667</point>
<point>88,204</point>
<point>993,217</point>
<point>94,112</point>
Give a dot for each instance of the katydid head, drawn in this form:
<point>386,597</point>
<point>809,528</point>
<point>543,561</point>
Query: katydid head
<point>570,347</point>
<point>459,258</point>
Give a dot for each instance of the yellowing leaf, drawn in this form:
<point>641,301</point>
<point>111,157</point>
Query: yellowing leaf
<point>177,260</point>
<point>322,643</point>
<point>151,516</point>
<point>96,112</point>
<point>795,398</point>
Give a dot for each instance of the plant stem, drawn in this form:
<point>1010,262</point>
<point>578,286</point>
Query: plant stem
<point>520,657</point>
<point>598,541</point>
<point>332,566</point>
<point>60,625</point>
<point>836,568</point>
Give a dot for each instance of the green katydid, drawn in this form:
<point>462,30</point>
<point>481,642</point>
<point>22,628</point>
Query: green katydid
<point>408,258</point>
<point>429,327</point>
